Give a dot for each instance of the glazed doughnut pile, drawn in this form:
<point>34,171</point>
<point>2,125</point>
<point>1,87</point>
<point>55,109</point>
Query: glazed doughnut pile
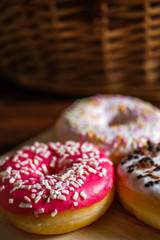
<point>117,124</point>
<point>138,183</point>
<point>56,187</point>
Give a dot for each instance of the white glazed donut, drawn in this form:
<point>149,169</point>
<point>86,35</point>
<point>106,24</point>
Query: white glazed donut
<point>138,183</point>
<point>115,123</point>
<point>56,188</point>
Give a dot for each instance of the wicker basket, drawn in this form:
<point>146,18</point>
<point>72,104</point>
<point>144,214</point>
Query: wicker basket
<point>82,47</point>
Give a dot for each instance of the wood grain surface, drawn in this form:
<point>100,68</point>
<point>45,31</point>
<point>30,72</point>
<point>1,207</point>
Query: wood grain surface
<point>115,224</point>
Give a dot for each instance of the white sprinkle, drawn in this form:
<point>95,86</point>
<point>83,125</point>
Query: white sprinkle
<point>9,169</point>
<point>12,180</point>
<point>2,188</point>
<point>52,181</point>
<point>11,200</point>
<point>25,205</point>
<point>94,163</point>
<point>15,159</point>
<point>24,172</point>
<point>53,214</point>
<point>48,186</point>
<point>80,181</point>
<point>17,165</point>
<point>71,189</point>
<point>83,195</point>
<point>33,196</point>
<point>53,162</point>
<point>26,162</point>
<point>84,156</point>
<point>100,174</point>
<point>101,160</point>
<point>37,199</point>
<point>46,155</point>
<point>33,190</point>
<point>98,168</point>
<point>48,199</point>
<point>83,177</point>
<point>31,170</point>
<point>27,199</point>
<point>60,178</point>
<point>75,204</point>
<point>86,147</point>
<point>44,168</point>
<point>33,148</point>
<point>49,177</point>
<point>13,189</point>
<point>32,166</point>
<point>52,191</point>
<point>74,184</point>
<point>36,144</point>
<point>61,197</point>
<point>75,196</point>
<point>39,173</point>
<point>38,186</point>
<point>38,158</point>
<point>85,172</point>
<point>53,146</point>
<point>91,170</point>
<point>19,152</point>
<point>36,162</point>
<point>24,168</point>
<point>65,192</point>
<point>39,211</point>
<point>31,179</point>
<point>57,192</point>
<point>40,193</point>
<point>53,196</point>
<point>24,155</point>
<point>104,171</point>
<point>38,150</point>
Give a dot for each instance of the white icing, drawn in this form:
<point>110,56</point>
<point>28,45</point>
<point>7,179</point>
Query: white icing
<point>119,123</point>
<point>139,184</point>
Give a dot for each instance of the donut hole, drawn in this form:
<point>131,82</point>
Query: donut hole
<point>59,166</point>
<point>122,118</point>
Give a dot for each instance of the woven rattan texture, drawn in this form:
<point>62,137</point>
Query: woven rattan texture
<point>82,47</point>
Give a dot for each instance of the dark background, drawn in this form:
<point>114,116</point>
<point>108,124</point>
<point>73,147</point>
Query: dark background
<point>24,113</point>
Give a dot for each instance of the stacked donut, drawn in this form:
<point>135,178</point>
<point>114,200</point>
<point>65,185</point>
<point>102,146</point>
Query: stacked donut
<point>60,187</point>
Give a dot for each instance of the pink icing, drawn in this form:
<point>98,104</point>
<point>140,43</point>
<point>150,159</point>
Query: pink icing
<point>54,177</point>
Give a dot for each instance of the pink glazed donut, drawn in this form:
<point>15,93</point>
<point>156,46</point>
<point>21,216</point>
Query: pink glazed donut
<point>117,124</point>
<point>56,188</point>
